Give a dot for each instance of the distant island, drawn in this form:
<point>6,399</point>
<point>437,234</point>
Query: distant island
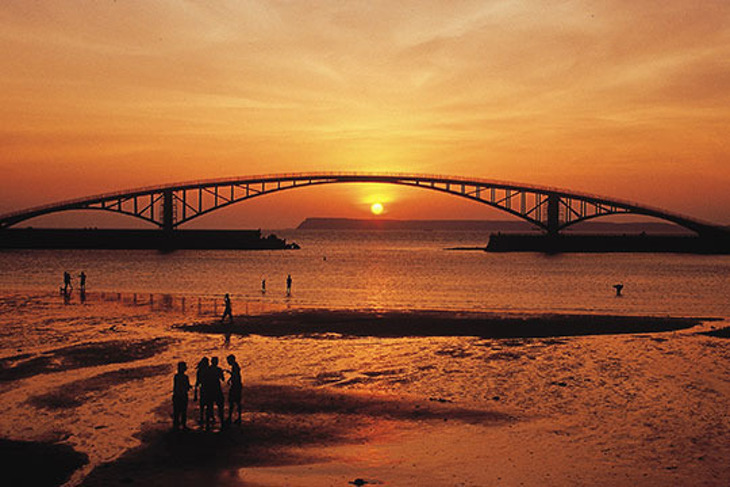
<point>490,226</point>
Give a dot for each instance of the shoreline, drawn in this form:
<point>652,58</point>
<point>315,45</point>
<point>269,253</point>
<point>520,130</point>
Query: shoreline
<point>186,304</point>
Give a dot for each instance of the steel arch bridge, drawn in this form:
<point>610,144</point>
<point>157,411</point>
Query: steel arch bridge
<point>169,206</point>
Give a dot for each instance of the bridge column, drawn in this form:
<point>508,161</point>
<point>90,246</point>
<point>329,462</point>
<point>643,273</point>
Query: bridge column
<point>553,214</point>
<point>167,210</point>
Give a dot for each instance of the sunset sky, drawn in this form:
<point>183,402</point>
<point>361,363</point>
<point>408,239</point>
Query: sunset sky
<point>629,99</point>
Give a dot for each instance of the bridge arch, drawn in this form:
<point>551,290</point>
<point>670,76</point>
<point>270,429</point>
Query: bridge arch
<point>169,206</point>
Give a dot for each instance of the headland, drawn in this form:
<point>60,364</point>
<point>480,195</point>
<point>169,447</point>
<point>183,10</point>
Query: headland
<point>487,226</point>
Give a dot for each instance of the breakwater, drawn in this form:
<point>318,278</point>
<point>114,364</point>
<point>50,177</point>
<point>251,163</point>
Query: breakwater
<point>46,238</point>
<point>502,242</point>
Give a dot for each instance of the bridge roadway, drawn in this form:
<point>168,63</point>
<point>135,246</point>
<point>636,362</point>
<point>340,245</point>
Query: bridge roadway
<point>169,206</point>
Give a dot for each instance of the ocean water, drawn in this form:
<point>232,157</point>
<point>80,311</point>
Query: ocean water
<point>394,270</point>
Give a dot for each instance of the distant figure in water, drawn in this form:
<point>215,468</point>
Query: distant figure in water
<point>263,286</point>
<point>227,311</point>
<point>82,282</point>
<point>213,379</point>
<point>288,284</point>
<point>66,282</point>
<point>618,288</point>
<point>200,375</point>
<point>180,388</point>
<point>234,393</point>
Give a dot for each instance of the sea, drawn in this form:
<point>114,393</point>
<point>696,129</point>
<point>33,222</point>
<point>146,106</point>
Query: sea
<point>401,270</point>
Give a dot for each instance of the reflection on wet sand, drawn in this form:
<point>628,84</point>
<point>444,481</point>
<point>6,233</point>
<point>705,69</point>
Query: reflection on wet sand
<point>174,303</point>
<point>287,425</point>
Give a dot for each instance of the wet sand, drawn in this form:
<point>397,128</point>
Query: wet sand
<point>397,324</point>
<point>390,398</point>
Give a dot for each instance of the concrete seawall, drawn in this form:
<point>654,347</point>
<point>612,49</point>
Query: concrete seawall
<point>31,238</point>
<point>607,243</point>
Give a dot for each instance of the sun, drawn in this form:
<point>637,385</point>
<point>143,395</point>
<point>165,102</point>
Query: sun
<point>376,208</point>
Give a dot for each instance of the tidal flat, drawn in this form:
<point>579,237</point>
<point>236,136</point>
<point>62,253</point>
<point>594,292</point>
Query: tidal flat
<point>333,397</point>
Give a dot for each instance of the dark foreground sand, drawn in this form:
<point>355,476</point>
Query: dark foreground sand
<point>398,324</point>
<point>387,398</point>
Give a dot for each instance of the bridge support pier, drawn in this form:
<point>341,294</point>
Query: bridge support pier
<point>167,211</point>
<point>553,214</point>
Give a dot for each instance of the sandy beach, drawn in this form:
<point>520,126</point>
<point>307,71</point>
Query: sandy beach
<point>339,398</point>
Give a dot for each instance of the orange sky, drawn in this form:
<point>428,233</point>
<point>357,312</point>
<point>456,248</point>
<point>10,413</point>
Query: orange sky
<point>620,98</point>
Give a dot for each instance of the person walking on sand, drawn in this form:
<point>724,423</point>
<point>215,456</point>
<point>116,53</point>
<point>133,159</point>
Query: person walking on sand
<point>200,384</point>
<point>288,284</point>
<point>263,286</point>
<point>82,282</point>
<point>180,388</point>
<point>234,393</point>
<point>227,311</point>
<point>214,377</point>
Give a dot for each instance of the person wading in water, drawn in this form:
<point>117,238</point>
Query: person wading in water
<point>227,311</point>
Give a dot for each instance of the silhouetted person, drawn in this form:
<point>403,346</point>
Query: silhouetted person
<point>200,384</point>
<point>227,311</point>
<point>618,288</point>
<point>82,281</point>
<point>288,284</point>
<point>234,393</point>
<point>180,388</point>
<point>66,282</point>
<point>263,286</point>
<point>213,379</point>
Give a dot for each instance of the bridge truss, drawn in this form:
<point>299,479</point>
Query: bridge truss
<point>170,206</point>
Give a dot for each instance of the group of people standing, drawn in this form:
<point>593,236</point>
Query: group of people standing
<point>209,381</point>
<point>208,390</point>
